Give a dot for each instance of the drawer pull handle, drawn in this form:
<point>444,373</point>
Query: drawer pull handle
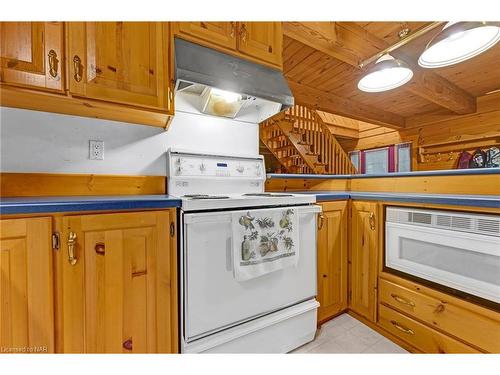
<point>71,248</point>
<point>321,219</point>
<point>402,328</point>
<point>372,221</point>
<point>402,300</point>
<point>77,67</point>
<point>243,33</point>
<point>53,63</point>
<point>233,29</point>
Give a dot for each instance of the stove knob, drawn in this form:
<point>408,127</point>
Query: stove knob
<point>202,167</point>
<point>179,170</point>
<point>178,161</point>
<point>240,169</point>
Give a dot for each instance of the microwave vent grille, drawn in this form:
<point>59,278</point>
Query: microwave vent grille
<point>462,222</point>
<point>486,225</point>
<point>421,217</point>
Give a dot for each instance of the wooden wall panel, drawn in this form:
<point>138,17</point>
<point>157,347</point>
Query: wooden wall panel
<point>307,184</point>
<point>476,184</point>
<point>53,184</point>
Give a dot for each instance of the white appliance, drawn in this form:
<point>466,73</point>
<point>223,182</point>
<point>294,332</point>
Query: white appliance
<point>456,249</point>
<point>273,313</point>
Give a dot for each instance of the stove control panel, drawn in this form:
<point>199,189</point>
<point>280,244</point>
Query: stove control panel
<point>213,166</point>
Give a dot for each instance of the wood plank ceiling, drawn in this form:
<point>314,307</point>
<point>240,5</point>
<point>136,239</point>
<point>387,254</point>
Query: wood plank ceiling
<point>321,65</point>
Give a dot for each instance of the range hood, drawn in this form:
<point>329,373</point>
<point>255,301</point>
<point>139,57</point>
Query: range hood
<point>215,83</point>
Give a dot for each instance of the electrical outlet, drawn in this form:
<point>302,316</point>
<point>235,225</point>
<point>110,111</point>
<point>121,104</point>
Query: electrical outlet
<point>96,150</point>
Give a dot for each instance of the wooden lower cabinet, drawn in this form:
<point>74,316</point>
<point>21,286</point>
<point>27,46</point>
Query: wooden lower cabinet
<point>26,286</point>
<point>332,259</point>
<point>458,318</point>
<point>118,293</point>
<point>363,256</point>
<point>419,335</point>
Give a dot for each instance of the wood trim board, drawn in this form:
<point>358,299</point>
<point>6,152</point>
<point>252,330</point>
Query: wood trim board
<point>54,184</point>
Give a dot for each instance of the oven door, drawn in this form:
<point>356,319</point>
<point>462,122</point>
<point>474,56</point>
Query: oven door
<point>213,300</point>
<point>467,262</point>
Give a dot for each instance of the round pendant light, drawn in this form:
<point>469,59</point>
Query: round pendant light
<point>387,74</point>
<point>459,41</point>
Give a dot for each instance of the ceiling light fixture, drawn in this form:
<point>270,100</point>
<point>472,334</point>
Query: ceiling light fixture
<point>459,41</point>
<point>387,74</point>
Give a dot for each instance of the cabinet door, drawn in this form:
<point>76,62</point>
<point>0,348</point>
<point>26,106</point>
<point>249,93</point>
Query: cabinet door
<point>119,295</point>
<point>363,258</point>
<point>261,40</point>
<point>31,54</point>
<point>222,34</point>
<point>121,62</point>
<point>26,289</point>
<point>332,260</point>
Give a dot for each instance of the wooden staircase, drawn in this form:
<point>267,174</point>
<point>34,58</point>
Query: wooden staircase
<point>302,143</point>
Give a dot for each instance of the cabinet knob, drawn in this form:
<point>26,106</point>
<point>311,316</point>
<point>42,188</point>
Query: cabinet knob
<point>100,248</point>
<point>127,344</point>
<point>325,275</point>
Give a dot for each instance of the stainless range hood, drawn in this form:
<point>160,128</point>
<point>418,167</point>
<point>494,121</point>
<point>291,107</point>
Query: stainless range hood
<point>215,83</point>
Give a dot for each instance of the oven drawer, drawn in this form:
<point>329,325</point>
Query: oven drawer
<point>443,313</point>
<point>419,335</point>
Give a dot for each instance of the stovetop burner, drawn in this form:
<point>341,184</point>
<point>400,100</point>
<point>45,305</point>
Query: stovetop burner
<point>204,196</point>
<point>268,195</point>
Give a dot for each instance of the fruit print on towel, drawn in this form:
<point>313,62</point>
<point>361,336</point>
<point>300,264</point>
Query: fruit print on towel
<point>265,241</point>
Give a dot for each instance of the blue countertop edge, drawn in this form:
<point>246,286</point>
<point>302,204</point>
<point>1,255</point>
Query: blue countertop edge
<point>34,205</point>
<point>454,172</point>
<point>30,205</point>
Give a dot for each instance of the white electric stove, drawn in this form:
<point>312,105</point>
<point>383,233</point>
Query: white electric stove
<point>273,313</point>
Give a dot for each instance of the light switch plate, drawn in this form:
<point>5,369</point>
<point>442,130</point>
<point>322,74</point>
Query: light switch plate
<point>96,150</point>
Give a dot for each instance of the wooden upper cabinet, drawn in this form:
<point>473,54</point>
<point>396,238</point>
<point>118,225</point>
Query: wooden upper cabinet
<point>220,33</point>
<point>26,286</point>
<point>31,54</point>
<point>332,259</point>
<point>363,258</point>
<point>121,62</point>
<point>261,40</point>
<point>119,294</point>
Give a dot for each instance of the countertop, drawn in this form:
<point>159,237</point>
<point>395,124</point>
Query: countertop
<point>452,172</point>
<point>27,205</point>
<point>474,200</point>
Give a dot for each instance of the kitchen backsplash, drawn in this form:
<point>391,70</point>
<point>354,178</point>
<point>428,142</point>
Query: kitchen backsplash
<point>34,141</point>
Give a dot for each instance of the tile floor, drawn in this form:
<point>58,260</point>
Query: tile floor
<point>344,334</point>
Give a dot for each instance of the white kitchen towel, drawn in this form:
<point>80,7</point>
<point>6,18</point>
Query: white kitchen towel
<point>264,241</point>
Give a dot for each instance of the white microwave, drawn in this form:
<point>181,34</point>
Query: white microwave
<point>458,250</point>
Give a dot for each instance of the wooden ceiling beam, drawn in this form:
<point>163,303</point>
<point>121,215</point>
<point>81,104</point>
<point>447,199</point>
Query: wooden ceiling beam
<point>425,83</point>
<point>322,36</point>
<point>343,132</point>
<point>332,103</point>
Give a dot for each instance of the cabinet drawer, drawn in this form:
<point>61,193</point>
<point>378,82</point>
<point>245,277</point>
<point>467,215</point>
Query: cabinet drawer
<point>443,313</point>
<point>420,336</point>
